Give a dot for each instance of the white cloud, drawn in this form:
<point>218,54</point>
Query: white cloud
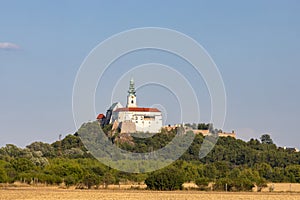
<point>8,46</point>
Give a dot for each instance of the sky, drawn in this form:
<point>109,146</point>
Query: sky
<point>255,45</point>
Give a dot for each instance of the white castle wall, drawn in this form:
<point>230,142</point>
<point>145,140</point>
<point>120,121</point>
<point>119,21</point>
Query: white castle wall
<point>145,121</point>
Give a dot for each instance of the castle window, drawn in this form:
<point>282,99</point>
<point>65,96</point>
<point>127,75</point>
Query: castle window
<point>132,101</point>
<point>149,118</point>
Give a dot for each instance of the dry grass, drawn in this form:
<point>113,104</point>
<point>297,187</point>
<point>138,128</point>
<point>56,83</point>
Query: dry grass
<point>283,187</point>
<point>52,193</point>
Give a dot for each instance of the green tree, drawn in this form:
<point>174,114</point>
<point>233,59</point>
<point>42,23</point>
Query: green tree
<point>202,183</point>
<point>243,184</point>
<point>210,171</point>
<point>254,177</point>
<point>266,139</point>
<point>12,150</point>
<point>3,175</point>
<point>70,180</point>
<point>293,172</point>
<point>46,149</point>
<point>203,126</point>
<point>223,184</point>
<point>22,164</point>
<point>90,180</point>
<point>237,184</point>
<point>264,170</point>
<point>108,179</point>
<point>169,178</point>
<point>260,184</point>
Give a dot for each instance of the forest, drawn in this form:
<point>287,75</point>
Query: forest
<point>238,164</point>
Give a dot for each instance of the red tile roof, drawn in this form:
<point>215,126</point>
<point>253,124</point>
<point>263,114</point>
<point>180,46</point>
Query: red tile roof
<point>101,116</point>
<point>137,109</point>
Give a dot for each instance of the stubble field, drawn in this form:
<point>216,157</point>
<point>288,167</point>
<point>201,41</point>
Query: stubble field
<point>68,194</point>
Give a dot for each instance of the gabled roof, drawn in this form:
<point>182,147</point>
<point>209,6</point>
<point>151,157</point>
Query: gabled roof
<point>137,109</point>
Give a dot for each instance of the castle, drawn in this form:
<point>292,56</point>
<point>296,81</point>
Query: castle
<point>132,118</point>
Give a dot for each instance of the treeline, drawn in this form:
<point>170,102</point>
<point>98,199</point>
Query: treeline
<point>232,165</point>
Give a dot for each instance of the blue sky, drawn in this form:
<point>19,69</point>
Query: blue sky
<point>255,45</point>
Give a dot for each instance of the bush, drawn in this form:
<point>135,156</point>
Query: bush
<point>220,184</point>
<point>243,184</point>
<point>202,183</point>
<point>238,184</point>
<point>22,164</point>
<point>48,179</point>
<point>261,183</point>
<point>169,178</point>
<point>69,180</point>
<point>90,180</point>
<point>3,176</point>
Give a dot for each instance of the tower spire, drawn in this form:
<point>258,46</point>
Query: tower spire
<point>131,97</point>
<point>131,90</point>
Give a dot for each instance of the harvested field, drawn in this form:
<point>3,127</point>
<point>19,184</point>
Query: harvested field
<point>51,193</point>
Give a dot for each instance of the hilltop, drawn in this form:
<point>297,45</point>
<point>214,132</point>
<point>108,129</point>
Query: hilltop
<point>237,163</point>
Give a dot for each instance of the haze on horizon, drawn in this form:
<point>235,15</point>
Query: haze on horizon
<point>254,44</point>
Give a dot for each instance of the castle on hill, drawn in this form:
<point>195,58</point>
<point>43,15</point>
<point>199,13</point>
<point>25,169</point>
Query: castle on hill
<point>131,119</point>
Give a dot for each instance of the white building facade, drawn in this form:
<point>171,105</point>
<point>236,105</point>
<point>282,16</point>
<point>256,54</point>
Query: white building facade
<point>140,119</point>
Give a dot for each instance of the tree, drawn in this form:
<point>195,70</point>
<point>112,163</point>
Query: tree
<point>71,141</point>
<point>3,176</point>
<point>64,168</point>
<point>210,171</point>
<point>203,126</point>
<point>108,178</point>
<point>243,184</point>
<point>12,150</point>
<point>190,171</point>
<point>260,184</point>
<point>254,177</point>
<point>22,164</point>
<point>223,184</point>
<point>69,180</point>
<point>293,172</point>
<point>222,168</point>
<point>264,170</point>
<point>202,183</point>
<point>90,180</point>
<point>169,178</point>
<point>237,184</point>
<point>266,139</point>
<point>46,149</point>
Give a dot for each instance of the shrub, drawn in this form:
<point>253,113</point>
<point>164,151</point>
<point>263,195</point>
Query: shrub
<point>3,176</point>
<point>90,180</point>
<point>169,178</point>
<point>202,183</point>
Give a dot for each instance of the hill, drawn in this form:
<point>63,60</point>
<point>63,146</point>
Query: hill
<point>235,163</point>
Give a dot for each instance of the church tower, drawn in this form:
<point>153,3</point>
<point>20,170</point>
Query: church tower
<point>131,97</point>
